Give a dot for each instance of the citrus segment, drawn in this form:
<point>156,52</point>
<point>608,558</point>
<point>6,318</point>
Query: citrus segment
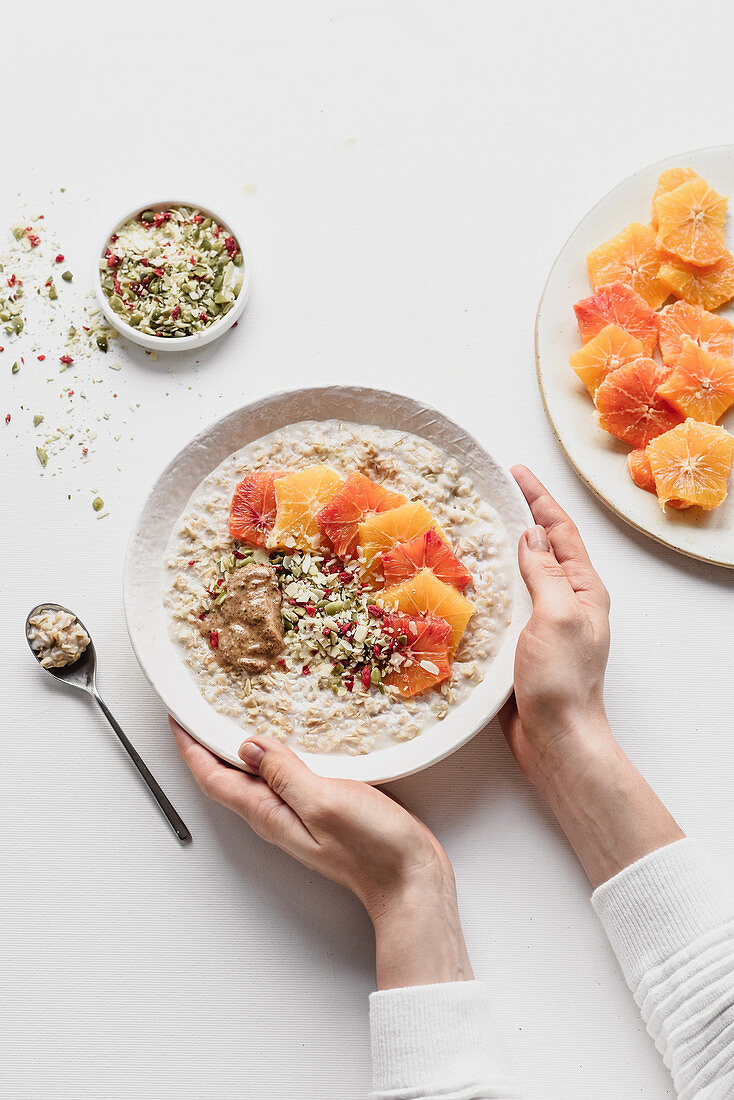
<point>358,498</point>
<point>426,594</point>
<point>701,385</point>
<point>712,333</point>
<point>617,304</point>
<point>640,470</point>
<point>668,181</point>
<point>252,511</point>
<point>692,463</point>
<point>708,286</point>
<point>427,551</point>
<point>299,497</point>
<point>603,353</point>
<point>691,222</point>
<point>631,258</point>
<point>629,405</point>
<point>381,532</point>
<point>424,651</point>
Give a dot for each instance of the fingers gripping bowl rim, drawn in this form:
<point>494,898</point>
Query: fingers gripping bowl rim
<point>174,343</point>
<point>145,572</point>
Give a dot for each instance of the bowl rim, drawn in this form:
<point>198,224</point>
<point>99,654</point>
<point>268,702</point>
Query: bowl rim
<point>174,343</point>
<point>379,766</point>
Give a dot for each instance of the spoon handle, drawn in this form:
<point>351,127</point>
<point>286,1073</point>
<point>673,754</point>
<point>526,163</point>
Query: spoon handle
<point>174,818</point>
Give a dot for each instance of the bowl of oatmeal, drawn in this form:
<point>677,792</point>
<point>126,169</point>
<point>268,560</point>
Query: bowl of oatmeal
<point>172,276</point>
<point>334,567</point>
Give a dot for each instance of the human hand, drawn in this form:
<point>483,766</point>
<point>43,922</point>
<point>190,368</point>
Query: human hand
<point>356,836</point>
<point>558,708</point>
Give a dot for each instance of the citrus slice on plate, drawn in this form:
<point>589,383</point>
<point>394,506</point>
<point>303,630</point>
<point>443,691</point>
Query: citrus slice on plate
<point>701,385</point>
<point>691,222</point>
<point>427,551</point>
<point>252,511</point>
<point>640,470</point>
<point>423,648</point>
<point>358,498</point>
<point>299,497</point>
<point>426,594</point>
<point>668,181</point>
<point>631,258</point>
<point>617,304</point>
<point>381,532</point>
<point>630,406</point>
<point>712,333</point>
<point>603,353</point>
<point>692,463</point>
<point>708,286</point>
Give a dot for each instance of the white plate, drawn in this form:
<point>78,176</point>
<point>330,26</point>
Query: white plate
<point>144,577</point>
<point>597,456</point>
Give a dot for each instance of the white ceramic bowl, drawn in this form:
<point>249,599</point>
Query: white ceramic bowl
<point>174,343</point>
<point>145,575</point>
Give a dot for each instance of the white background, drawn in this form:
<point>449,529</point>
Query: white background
<point>404,174</point>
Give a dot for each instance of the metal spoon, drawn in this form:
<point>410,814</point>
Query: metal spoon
<point>81,674</point>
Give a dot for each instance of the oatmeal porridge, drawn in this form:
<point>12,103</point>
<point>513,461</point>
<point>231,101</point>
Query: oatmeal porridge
<point>338,586</point>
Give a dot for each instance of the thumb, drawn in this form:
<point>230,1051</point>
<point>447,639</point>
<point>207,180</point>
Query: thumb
<point>284,772</point>
<point>545,578</point>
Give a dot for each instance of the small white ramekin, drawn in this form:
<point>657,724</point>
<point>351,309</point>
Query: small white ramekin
<point>173,343</point>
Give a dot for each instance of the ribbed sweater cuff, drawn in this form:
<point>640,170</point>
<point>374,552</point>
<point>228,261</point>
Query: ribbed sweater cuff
<point>440,1034</point>
<point>661,904</point>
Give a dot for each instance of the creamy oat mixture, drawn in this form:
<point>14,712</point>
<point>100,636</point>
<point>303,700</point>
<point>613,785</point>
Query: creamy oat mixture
<point>281,701</point>
<point>57,637</point>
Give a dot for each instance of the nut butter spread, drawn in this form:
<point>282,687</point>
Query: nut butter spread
<point>248,626</point>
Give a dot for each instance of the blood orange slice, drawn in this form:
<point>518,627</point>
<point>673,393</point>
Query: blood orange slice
<point>640,469</point>
<point>426,594</point>
<point>701,385</point>
<point>252,511</point>
<point>691,222</point>
<point>603,353</point>
<point>692,463</point>
<point>629,405</point>
<point>380,532</point>
<point>617,304</point>
<point>423,648</point>
<point>712,333</point>
<point>631,258</point>
<point>427,551</point>
<point>358,498</point>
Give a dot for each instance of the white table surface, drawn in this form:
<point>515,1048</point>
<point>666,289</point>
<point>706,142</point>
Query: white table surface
<point>405,173</point>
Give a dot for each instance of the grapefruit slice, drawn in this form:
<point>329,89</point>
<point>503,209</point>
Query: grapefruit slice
<point>692,463</point>
<point>691,222</point>
<point>383,531</point>
<point>708,286</point>
<point>426,594</point>
<point>252,511</point>
<point>299,497</point>
<point>629,405</point>
<point>358,498</point>
<point>424,647</point>
<point>631,258</point>
<point>712,333</point>
<point>427,551</point>
<point>701,385</point>
<point>668,181</point>
<point>609,349</point>
<point>617,304</point>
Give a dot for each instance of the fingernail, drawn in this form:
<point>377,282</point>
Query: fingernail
<point>251,753</point>
<point>537,539</point>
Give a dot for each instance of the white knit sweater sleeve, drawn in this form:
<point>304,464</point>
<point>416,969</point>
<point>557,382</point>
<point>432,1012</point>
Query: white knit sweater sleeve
<point>670,920</point>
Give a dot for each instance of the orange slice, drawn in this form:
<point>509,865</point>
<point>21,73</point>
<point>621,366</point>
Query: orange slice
<point>381,532</point>
<point>425,552</point>
<point>668,181</point>
<point>252,511</point>
<point>629,404</point>
<point>358,498</point>
<point>712,333</point>
<point>425,652</point>
<point>708,286</point>
<point>640,469</point>
<point>609,349</point>
<point>426,594</point>
<point>701,385</point>
<point>692,463</point>
<point>691,222</point>
<point>617,304</point>
<point>299,497</point>
<point>631,258</point>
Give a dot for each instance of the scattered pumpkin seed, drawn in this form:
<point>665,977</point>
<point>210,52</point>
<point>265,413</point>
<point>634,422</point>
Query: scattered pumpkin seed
<point>67,276</point>
<point>97,503</point>
<point>37,419</point>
